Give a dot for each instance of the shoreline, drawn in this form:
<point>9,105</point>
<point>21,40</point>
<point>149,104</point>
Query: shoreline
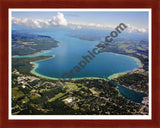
<point>115,75</point>
<point>137,59</point>
<point>53,78</point>
<point>132,89</point>
<point>34,54</point>
<point>35,66</point>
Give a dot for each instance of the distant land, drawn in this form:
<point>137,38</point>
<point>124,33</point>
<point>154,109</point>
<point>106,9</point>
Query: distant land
<point>24,44</point>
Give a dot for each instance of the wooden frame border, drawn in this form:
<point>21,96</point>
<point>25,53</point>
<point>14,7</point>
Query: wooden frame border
<point>6,4</point>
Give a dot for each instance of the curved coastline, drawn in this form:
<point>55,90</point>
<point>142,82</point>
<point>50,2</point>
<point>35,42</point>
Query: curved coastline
<point>36,65</point>
<point>137,60</point>
<point>33,55</point>
<point>115,75</point>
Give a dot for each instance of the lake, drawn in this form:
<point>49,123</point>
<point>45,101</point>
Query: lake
<point>69,54</point>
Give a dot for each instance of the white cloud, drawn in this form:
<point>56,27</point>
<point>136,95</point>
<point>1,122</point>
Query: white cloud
<point>79,27</point>
<point>74,25</point>
<point>57,20</point>
<point>135,29</point>
<point>129,29</point>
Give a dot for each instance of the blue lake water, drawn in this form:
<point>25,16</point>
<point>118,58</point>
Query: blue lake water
<point>69,54</point>
<point>131,94</point>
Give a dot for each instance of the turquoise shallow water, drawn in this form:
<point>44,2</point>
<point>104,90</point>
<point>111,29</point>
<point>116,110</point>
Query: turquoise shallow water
<point>69,54</point>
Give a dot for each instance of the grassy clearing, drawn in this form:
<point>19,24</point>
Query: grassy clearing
<point>71,86</point>
<point>35,96</point>
<point>44,90</point>
<point>75,107</point>
<point>96,93</point>
<point>56,97</point>
<point>81,86</point>
<point>25,100</point>
<point>140,48</point>
<point>16,93</point>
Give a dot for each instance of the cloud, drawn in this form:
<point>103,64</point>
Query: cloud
<point>57,20</point>
<point>129,29</point>
<point>135,29</point>
<point>74,25</point>
<point>79,27</point>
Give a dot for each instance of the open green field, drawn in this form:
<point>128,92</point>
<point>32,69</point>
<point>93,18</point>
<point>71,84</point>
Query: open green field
<point>56,97</point>
<point>16,93</point>
<point>35,96</point>
<point>72,86</point>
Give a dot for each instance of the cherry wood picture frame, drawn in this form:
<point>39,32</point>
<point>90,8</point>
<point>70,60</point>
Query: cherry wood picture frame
<point>5,5</point>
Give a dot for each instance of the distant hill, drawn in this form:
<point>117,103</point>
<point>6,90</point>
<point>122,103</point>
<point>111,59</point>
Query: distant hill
<point>24,44</point>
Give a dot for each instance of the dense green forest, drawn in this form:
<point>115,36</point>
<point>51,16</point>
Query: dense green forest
<point>136,81</point>
<point>23,64</point>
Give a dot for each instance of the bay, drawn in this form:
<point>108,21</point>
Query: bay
<point>69,54</point>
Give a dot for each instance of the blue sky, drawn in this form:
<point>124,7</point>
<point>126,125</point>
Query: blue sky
<point>138,20</point>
